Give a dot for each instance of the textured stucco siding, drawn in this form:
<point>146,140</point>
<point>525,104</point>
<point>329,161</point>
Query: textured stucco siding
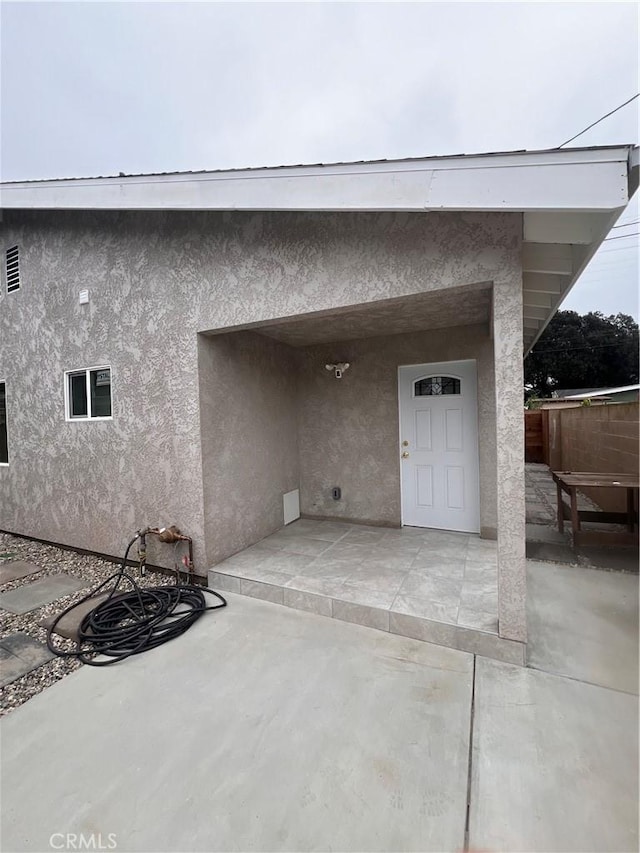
<point>92,484</point>
<point>512,569</point>
<point>155,281</point>
<point>349,428</point>
<point>248,412</point>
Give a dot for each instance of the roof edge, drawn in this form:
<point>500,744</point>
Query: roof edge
<point>628,147</point>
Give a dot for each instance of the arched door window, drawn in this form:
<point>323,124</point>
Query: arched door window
<point>436,386</point>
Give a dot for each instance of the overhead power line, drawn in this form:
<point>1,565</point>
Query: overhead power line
<point>599,120</point>
<point>621,236</point>
<point>626,224</point>
<point>535,351</point>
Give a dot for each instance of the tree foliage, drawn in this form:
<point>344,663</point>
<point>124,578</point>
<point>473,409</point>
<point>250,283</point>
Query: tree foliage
<point>583,351</point>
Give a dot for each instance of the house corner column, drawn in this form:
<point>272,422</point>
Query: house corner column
<point>507,349</point>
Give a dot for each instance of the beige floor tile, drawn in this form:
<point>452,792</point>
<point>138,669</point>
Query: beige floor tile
<point>284,561</point>
<point>306,545</point>
<point>369,597</point>
<point>471,598</point>
<point>385,558</point>
<point>322,586</point>
<point>434,588</point>
<point>424,608</point>
<point>471,617</point>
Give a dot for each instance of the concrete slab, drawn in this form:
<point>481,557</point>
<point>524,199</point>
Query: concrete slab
<point>262,728</point>
<point>544,542</point>
<point>554,764</point>
<point>34,595</point>
<point>583,623</point>
<point>19,654</point>
<point>622,559</point>
<point>553,552</point>
<point>545,533</point>
<point>17,569</point>
<point>69,624</point>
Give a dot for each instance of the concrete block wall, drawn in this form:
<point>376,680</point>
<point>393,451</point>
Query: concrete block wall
<point>599,438</point>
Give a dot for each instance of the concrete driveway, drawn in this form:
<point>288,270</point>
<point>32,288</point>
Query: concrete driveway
<point>266,728</point>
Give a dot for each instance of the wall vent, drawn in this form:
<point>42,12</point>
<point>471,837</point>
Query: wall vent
<point>291,506</point>
<point>12,267</point>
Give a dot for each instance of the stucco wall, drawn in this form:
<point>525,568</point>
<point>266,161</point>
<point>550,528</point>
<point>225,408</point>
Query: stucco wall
<point>248,412</point>
<point>92,484</point>
<point>155,281</point>
<point>349,429</point>
<point>507,350</point>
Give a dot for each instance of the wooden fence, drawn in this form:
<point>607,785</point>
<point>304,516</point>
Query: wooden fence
<point>536,435</point>
<point>601,439</point>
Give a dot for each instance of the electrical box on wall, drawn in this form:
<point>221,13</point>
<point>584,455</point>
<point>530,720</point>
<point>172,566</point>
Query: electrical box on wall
<point>83,297</point>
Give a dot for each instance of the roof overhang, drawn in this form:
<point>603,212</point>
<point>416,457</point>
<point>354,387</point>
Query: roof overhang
<point>569,199</point>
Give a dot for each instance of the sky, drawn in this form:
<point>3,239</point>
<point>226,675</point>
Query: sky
<point>97,88</point>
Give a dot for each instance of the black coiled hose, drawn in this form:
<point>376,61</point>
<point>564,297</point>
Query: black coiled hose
<point>127,623</point>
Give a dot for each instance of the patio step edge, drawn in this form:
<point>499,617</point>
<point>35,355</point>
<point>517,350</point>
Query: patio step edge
<point>457,637</point>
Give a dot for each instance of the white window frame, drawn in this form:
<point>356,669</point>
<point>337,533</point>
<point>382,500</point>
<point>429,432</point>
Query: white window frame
<point>441,376</point>
<point>5,383</point>
<point>67,400</point>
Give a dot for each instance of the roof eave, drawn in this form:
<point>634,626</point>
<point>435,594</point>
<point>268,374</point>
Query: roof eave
<point>581,253</point>
<point>580,179</point>
<point>569,199</point>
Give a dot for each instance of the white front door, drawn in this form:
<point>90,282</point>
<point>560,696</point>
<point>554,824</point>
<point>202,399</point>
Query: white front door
<point>439,445</point>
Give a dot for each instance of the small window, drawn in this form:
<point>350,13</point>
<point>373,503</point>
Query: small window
<point>435,386</point>
<point>88,393</point>
<point>12,269</point>
<point>4,442</point>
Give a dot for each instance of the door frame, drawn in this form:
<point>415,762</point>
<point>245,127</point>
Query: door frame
<point>428,365</point>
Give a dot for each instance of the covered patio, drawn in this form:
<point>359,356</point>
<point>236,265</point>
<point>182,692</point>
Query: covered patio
<point>400,521</point>
<point>431,585</point>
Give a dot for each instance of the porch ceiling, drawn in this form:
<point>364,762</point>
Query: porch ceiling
<point>462,306</point>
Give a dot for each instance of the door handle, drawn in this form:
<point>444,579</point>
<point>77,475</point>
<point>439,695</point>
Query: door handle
<point>405,454</point>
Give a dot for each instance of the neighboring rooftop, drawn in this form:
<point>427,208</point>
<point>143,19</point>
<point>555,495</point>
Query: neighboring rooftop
<point>584,393</point>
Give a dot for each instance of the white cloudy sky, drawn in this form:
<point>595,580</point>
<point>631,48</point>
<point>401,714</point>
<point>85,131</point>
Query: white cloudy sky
<point>97,88</point>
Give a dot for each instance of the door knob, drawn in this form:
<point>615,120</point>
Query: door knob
<point>405,454</point>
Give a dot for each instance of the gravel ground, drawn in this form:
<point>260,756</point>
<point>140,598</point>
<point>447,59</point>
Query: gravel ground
<point>52,560</point>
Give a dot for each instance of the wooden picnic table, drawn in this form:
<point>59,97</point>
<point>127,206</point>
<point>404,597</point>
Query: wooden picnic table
<point>571,481</point>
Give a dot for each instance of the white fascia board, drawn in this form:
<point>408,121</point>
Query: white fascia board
<point>581,180</point>
<point>544,188</point>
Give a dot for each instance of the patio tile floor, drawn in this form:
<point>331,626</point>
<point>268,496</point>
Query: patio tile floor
<point>446,582</point>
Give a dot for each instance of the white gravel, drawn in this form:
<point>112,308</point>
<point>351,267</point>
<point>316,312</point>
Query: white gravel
<point>52,560</point>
